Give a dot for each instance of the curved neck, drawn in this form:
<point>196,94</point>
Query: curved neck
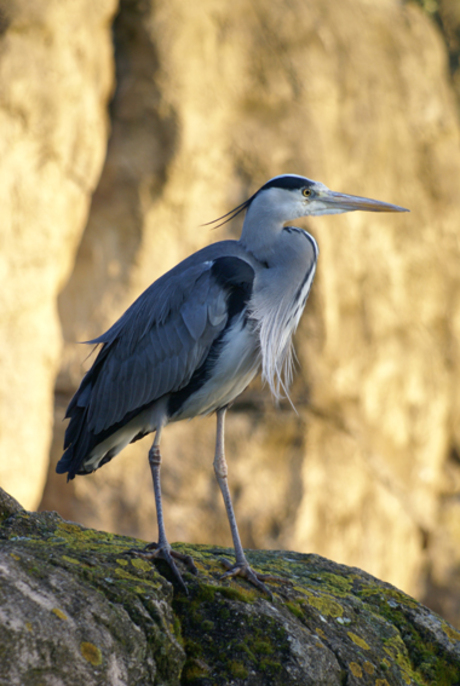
<point>262,226</point>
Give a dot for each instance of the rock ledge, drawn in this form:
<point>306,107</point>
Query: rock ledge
<point>76,608</point>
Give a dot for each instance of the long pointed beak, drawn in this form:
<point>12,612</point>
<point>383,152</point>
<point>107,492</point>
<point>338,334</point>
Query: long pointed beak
<point>339,202</point>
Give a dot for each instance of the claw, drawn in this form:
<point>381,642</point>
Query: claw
<point>244,570</point>
<point>154,551</point>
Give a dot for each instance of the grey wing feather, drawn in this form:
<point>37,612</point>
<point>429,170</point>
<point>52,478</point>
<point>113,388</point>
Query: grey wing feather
<point>157,345</point>
<point>195,317</point>
<point>217,311</point>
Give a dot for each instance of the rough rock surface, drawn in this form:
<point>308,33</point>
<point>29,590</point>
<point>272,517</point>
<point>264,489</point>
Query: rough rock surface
<point>212,100</point>
<point>70,613</point>
<point>56,72</point>
<point>76,608</point>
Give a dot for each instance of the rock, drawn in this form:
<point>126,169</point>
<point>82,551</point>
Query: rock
<point>447,15</point>
<point>55,78</point>
<point>8,505</point>
<point>72,614</point>
<point>76,608</point>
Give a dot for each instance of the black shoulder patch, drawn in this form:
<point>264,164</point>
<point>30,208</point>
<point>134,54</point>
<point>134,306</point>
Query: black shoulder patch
<point>232,271</point>
<point>236,277</point>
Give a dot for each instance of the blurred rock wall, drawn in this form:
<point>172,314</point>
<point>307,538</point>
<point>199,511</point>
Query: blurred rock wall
<point>211,100</point>
<point>55,78</point>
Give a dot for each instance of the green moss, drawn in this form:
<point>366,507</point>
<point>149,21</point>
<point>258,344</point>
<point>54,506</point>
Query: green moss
<point>143,565</point>
<point>390,596</point>
<point>326,605</point>
<point>360,642</point>
<point>211,608</point>
<point>295,608</point>
<point>72,560</point>
<point>242,594</point>
<point>244,648</point>
<point>339,585</point>
<point>452,633</point>
<point>193,670</point>
<point>177,629</point>
<point>355,669</point>
<point>193,648</point>
<point>224,613</point>
<point>139,589</point>
<point>73,529</point>
<point>59,613</point>
<point>245,636</point>
<point>238,670</point>
<point>270,667</point>
<point>206,593</point>
<point>262,647</point>
<point>417,659</point>
<point>445,674</point>
<point>91,653</point>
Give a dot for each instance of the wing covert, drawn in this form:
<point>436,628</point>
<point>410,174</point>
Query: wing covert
<point>162,339</point>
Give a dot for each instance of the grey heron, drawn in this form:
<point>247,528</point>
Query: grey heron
<point>194,340</point>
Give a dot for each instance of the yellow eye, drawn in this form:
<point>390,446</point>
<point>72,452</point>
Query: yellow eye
<point>306,192</point>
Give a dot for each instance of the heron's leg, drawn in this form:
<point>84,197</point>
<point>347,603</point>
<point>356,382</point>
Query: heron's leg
<point>162,549</point>
<point>241,566</point>
<point>155,467</point>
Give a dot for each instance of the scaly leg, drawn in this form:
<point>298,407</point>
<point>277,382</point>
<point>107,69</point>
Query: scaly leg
<point>241,566</point>
<point>162,549</point>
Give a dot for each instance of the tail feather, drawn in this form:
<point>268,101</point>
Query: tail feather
<point>79,441</point>
<point>78,444</point>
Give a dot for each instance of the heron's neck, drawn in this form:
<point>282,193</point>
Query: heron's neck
<point>261,230</point>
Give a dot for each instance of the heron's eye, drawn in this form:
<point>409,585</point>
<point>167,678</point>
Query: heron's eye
<point>306,192</point>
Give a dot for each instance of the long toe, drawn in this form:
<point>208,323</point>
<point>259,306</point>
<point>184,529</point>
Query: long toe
<point>154,551</point>
<point>186,559</point>
<point>244,570</point>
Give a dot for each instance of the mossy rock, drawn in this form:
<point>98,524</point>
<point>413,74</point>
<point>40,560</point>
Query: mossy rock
<point>76,608</point>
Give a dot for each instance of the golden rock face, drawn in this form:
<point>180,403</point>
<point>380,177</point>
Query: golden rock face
<point>211,100</point>
<point>56,75</point>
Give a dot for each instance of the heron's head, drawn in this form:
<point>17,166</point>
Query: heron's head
<point>288,197</point>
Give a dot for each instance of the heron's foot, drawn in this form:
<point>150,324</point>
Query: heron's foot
<point>244,570</point>
<point>155,551</point>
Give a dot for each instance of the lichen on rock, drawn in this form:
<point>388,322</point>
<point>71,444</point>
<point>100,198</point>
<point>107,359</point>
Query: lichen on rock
<point>76,607</point>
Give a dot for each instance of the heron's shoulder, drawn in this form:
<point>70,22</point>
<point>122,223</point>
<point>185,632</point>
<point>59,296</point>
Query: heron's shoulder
<point>228,251</point>
<point>225,264</point>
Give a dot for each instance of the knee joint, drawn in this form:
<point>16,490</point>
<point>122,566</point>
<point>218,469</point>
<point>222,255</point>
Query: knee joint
<point>155,456</point>
<point>220,470</point>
